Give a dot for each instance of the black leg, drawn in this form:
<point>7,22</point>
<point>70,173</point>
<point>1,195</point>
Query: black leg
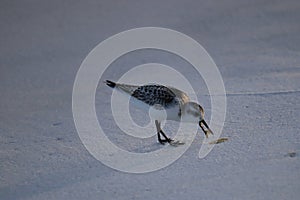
<point>205,124</point>
<point>207,130</point>
<point>159,131</point>
<point>159,138</point>
<point>201,125</point>
<point>166,138</point>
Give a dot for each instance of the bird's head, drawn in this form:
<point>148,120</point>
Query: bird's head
<point>193,112</point>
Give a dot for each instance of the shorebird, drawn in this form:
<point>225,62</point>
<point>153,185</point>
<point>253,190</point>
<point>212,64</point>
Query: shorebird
<point>164,99</point>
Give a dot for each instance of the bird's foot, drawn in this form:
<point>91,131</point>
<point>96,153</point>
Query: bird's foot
<point>176,143</point>
<point>172,142</point>
<point>168,140</point>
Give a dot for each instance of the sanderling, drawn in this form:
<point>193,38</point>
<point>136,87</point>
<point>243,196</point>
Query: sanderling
<point>162,99</point>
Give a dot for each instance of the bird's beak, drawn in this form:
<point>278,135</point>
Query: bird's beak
<point>205,128</point>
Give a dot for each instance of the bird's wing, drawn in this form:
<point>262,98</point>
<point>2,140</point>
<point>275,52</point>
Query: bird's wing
<point>181,96</point>
<point>128,89</point>
<point>125,88</point>
<point>155,95</point>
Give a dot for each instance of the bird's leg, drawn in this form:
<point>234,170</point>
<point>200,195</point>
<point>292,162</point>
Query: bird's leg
<point>207,130</point>
<point>159,131</point>
<point>157,124</point>
<point>166,138</point>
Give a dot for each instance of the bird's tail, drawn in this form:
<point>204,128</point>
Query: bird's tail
<point>110,83</point>
<point>128,89</point>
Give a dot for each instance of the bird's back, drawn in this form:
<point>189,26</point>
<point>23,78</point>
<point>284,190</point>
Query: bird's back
<point>180,95</point>
<point>153,94</point>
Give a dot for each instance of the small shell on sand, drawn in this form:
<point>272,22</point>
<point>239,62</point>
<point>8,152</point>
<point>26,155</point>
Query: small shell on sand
<point>220,140</point>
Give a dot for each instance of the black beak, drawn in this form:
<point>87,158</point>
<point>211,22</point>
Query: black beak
<point>205,128</point>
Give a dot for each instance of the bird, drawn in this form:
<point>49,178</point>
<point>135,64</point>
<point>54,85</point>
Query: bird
<point>165,99</point>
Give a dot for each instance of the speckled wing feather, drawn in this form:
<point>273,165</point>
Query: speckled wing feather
<point>155,95</point>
